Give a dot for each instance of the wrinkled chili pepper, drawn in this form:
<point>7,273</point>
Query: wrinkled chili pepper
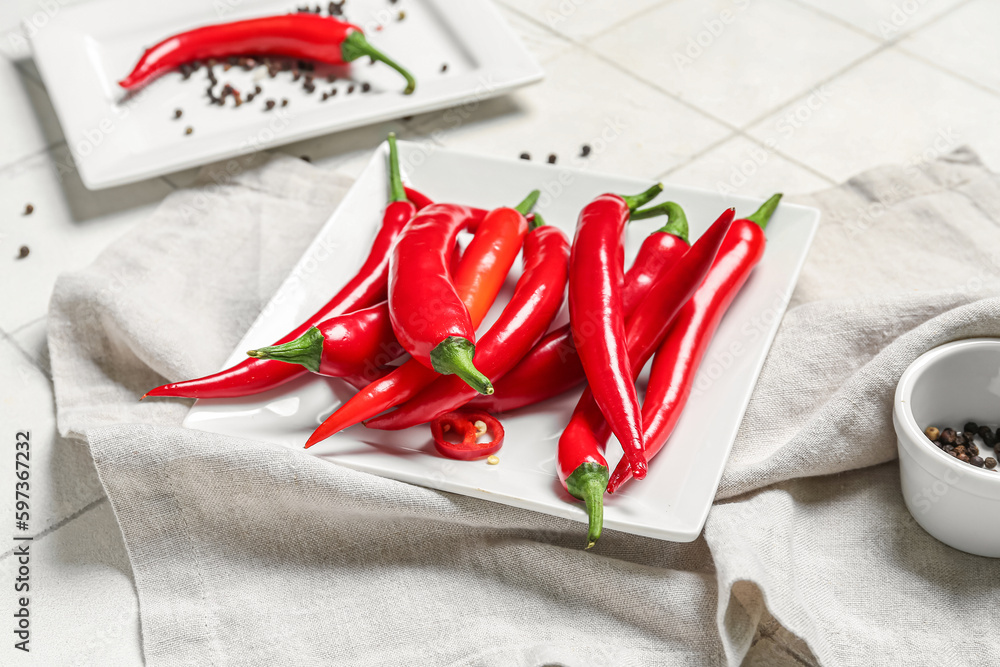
<point>471,424</point>
<point>584,437</point>
<point>300,36</point>
<point>429,317</point>
<point>484,265</point>
<point>676,363</point>
<point>553,366</point>
<point>596,274</point>
<point>366,288</point>
<point>536,300</point>
<point>348,344</point>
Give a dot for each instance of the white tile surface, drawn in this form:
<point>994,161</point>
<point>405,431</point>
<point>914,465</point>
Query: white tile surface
<point>885,19</point>
<point>632,129</point>
<point>956,42</point>
<point>69,227</point>
<point>24,131</point>
<point>580,19</point>
<point>891,108</point>
<point>84,608</point>
<point>733,58</point>
<point>33,340</point>
<point>62,478</point>
<point>543,42</point>
<point>744,167</point>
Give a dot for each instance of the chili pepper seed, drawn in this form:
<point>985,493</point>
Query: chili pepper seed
<point>480,427</point>
<point>493,460</point>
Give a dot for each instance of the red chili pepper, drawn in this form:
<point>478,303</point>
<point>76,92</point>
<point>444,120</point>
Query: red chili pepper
<point>536,300</point>
<point>429,317</point>
<point>465,423</point>
<point>348,344</point>
<point>303,36</point>
<point>676,362</point>
<point>596,275</point>
<point>481,273</point>
<point>584,437</point>
<point>367,288</point>
<point>553,365</point>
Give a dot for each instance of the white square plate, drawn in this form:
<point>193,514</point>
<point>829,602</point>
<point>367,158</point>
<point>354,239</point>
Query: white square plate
<point>673,501</point>
<point>84,50</point>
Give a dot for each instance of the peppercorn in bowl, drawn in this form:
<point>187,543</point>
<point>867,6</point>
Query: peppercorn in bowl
<point>947,418</point>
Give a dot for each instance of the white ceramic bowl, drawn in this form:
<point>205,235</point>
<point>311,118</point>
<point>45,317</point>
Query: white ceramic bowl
<point>955,502</point>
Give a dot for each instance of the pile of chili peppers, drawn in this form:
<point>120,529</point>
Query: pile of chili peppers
<point>419,294</point>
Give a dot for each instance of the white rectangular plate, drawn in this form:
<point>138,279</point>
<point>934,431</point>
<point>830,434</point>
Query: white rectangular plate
<point>84,50</point>
<point>673,501</point>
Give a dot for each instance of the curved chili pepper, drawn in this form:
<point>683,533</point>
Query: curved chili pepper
<point>348,344</point>
<point>492,250</point>
<point>553,365</point>
<point>303,36</point>
<point>429,317</point>
<point>468,424</point>
<point>676,363</point>
<point>536,300</point>
<point>366,288</point>
<point>587,430</point>
<point>596,274</point>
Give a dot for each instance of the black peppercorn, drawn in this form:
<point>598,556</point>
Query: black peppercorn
<point>963,457</point>
<point>585,150</point>
<point>28,209</point>
<point>972,449</point>
<point>23,252</point>
<point>269,104</point>
<point>552,158</point>
<point>960,439</point>
<point>977,461</point>
<point>178,113</point>
<point>990,462</point>
<point>986,433</point>
<point>948,436</point>
<point>525,156</point>
<point>971,427</point>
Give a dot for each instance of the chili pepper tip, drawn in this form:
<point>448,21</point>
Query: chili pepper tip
<point>763,215</point>
<point>306,350</point>
<point>357,46</point>
<point>587,483</point>
<point>635,201</point>
<point>453,356</point>
<point>524,208</point>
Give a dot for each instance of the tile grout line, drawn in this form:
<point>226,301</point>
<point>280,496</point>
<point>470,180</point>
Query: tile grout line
<point>946,70</point>
<point>26,325</point>
<point>56,526</point>
<point>736,130</point>
<point>9,337</point>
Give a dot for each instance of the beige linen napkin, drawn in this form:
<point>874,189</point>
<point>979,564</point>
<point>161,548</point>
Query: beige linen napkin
<point>248,553</point>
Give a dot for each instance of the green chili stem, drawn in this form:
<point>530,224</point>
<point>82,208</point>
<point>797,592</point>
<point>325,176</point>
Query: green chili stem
<point>588,483</point>
<point>635,201</point>
<point>677,223</point>
<point>453,356</point>
<point>356,46</point>
<point>396,190</point>
<point>537,221</point>
<point>306,350</point>
<point>524,208</point>
<point>763,215</point>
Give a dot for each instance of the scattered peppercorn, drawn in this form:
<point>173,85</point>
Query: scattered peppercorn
<point>284,101</point>
<point>365,87</point>
<point>336,8</point>
<point>585,150</point>
<point>28,209</point>
<point>178,113</point>
<point>269,104</point>
<point>444,67</point>
<point>990,462</point>
<point>188,130</point>
<point>186,71</point>
<point>309,87</point>
<point>256,89</point>
<point>350,89</point>
<point>305,158</point>
<point>552,158</point>
<point>401,16</point>
<point>525,156</point>
<point>23,252</point>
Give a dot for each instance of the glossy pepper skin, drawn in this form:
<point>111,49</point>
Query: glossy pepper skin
<point>302,36</point>
<point>587,430</point>
<point>678,357</point>
<point>350,344</point>
<point>366,288</point>
<point>536,300</point>
<point>596,275</point>
<point>493,249</point>
<point>553,365</point>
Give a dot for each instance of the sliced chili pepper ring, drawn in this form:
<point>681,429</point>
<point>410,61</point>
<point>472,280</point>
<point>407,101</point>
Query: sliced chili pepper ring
<point>463,422</point>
